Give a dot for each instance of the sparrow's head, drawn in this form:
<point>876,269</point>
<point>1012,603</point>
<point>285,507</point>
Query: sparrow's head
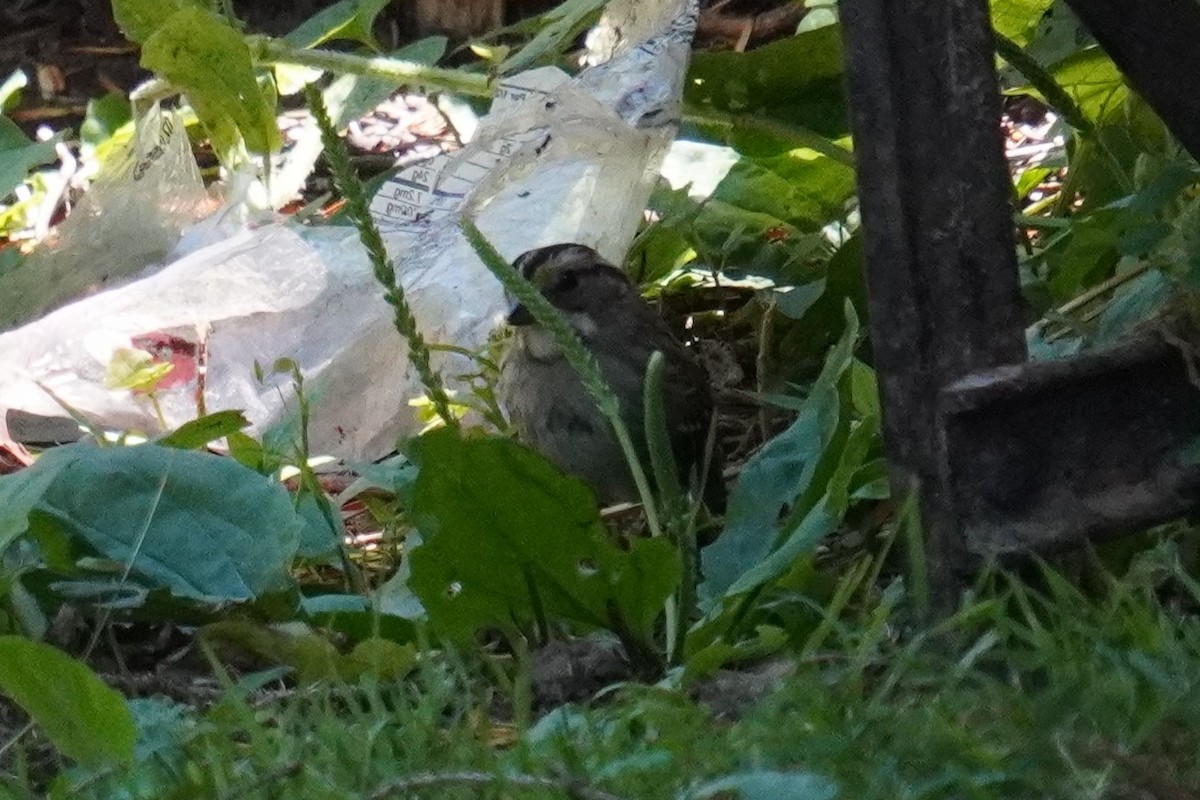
<point>577,281</point>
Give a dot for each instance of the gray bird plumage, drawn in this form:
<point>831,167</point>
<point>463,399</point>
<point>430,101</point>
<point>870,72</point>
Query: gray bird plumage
<point>548,404</point>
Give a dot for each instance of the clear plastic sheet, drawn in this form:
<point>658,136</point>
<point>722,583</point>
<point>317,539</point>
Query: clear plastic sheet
<point>557,159</point>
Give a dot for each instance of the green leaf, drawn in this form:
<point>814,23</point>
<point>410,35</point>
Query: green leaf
<point>864,390</point>
<point>561,25</point>
<point>201,526</point>
<point>250,453</point>
<point>708,659</point>
<point>159,757</point>
<point>311,655</point>
<point>209,428</point>
<point>317,539</point>
<point>803,531</point>
<point>351,96</point>
<point>21,491</point>
<point>135,370</point>
<point>198,51</point>
<point>105,116</point>
<point>796,302</point>
<point>18,155</point>
<point>10,90</point>
<point>765,785</point>
<point>796,81</point>
<point>509,538</point>
<point>349,19</point>
<point>1089,253</point>
<point>1018,19</point>
<point>802,189</point>
<point>1094,81</point>
<point>84,718</point>
<point>775,477</point>
<point>765,218</point>
<point>139,19</point>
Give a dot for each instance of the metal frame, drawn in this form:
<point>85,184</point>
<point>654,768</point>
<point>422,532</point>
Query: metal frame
<point>1007,456</point>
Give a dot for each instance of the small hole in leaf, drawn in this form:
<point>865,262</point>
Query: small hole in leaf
<point>454,590</point>
<point>587,567</point>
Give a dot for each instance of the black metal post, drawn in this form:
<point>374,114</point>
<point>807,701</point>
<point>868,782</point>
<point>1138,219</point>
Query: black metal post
<point>940,258</point>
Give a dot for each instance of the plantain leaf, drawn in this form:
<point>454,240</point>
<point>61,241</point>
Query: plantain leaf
<point>84,718</point>
<point>508,538</point>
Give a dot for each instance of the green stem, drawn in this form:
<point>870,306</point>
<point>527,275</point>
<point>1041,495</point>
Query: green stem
<point>1041,79</point>
<point>1059,98</point>
<point>424,79</point>
<point>802,136</point>
<point>368,234</point>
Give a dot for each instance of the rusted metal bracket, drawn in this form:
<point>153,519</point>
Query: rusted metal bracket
<point>1048,455</point>
<point>1007,456</point>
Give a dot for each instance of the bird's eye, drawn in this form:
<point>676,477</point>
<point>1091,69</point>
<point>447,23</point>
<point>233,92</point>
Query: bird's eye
<point>567,281</point>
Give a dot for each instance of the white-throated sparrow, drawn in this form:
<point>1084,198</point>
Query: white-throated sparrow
<point>551,409</point>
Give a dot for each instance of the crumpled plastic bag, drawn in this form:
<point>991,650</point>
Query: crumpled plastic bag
<point>557,159</point>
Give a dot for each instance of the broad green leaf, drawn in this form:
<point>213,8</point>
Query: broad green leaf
<point>201,526</point>
<point>250,453</point>
<point>18,155</point>
<point>807,344</point>
<point>802,188</point>
<point>1093,81</point>
<point>796,81</point>
<point>209,428</point>
<point>765,785</point>
<point>138,19</point>
<point>1018,19</point>
<point>82,716</point>
<point>802,532</point>
<point>1058,35</point>
<point>317,539</point>
<point>21,491</point>
<point>1180,251</point>
<point>765,218</point>
<point>776,476</point>
<point>864,390</point>
<point>198,51</point>
<point>354,619</point>
<point>350,19</point>
<point>380,657</point>
<point>507,536</point>
<point>562,24</point>
<point>1090,253</point>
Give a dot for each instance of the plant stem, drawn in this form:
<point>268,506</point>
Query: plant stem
<point>1058,97</point>
<point>1050,89</point>
<point>803,136</point>
<point>422,78</point>
<point>368,234</point>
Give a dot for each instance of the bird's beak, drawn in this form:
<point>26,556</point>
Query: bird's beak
<point>519,315</point>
